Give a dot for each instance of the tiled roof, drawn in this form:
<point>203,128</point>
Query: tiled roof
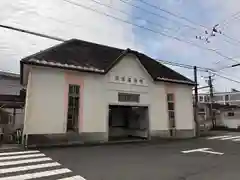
<point>86,56</point>
<point>9,74</point>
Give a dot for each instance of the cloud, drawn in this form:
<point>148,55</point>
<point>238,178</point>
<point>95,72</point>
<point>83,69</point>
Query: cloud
<point>60,19</point>
<point>204,13</point>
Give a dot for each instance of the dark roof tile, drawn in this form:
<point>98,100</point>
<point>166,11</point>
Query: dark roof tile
<point>86,54</point>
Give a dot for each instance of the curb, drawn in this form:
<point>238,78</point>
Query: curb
<point>81,144</point>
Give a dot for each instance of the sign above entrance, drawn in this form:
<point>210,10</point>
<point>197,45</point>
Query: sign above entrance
<point>126,97</point>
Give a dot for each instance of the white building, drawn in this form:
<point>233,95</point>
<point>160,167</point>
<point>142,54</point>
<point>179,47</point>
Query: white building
<point>97,93</point>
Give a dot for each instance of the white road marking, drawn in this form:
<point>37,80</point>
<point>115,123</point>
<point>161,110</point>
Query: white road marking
<point>73,178</point>
<point>21,156</point>
<point>25,168</point>
<point>212,152</point>
<point>18,153</point>
<point>37,175</point>
<point>236,140</point>
<point>195,150</point>
<point>205,150</point>
<point>233,137</point>
<point>24,161</point>
<point>218,137</point>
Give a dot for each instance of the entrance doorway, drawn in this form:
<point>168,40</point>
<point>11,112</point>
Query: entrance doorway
<point>128,122</point>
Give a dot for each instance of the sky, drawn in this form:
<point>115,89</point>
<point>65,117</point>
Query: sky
<point>137,24</point>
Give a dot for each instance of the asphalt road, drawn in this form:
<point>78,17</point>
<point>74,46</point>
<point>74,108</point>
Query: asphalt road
<point>163,161</point>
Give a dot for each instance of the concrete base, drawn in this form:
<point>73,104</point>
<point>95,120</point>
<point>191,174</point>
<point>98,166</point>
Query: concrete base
<point>178,133</point>
<point>94,137</point>
<point>185,133</point>
<point>98,137</point>
<point>44,139</point>
<point>160,133</point>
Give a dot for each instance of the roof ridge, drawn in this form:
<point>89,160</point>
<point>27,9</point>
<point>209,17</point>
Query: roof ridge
<point>76,54</point>
<point>98,44</point>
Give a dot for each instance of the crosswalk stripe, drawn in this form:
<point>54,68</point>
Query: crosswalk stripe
<point>218,137</point>
<point>31,167</point>
<point>21,156</point>
<point>18,153</point>
<point>37,175</point>
<point>73,178</point>
<point>233,137</point>
<point>7,163</point>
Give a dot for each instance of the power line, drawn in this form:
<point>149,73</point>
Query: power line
<point>54,38</point>
<point>187,66</point>
<point>129,14</point>
<point>233,16</point>
<point>151,30</point>
<point>172,14</point>
<point>59,39</point>
<point>224,77</point>
<point>187,19</point>
<point>156,14</point>
<point>31,32</point>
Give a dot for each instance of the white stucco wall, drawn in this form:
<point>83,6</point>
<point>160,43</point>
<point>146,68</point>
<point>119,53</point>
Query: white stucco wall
<point>45,99</point>
<point>184,107</point>
<point>94,104</point>
<point>158,109</point>
<point>45,106</point>
<point>128,67</point>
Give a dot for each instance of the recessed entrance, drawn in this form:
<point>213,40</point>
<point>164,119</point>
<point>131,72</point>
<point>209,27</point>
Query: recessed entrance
<point>128,122</point>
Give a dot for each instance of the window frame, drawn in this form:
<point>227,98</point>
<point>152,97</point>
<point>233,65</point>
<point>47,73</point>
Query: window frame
<point>126,97</point>
<point>171,118</point>
<point>73,112</point>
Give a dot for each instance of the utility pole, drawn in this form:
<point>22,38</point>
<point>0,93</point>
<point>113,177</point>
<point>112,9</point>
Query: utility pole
<point>196,102</point>
<point>211,100</point>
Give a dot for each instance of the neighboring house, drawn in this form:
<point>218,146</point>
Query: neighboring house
<point>222,112</point>
<point>10,102</point>
<point>9,83</point>
<point>230,117</point>
<point>101,93</point>
<point>232,98</point>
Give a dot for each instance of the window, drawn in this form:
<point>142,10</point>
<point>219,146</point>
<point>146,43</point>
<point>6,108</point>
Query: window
<point>135,80</point>
<point>171,110</point>
<point>123,79</point>
<point>73,107</point>
<point>201,98</point>
<point>171,106</point>
<point>116,78</point>
<point>230,113</point>
<point>129,80</point>
<point>125,97</point>
<point>226,98</point>
<point>141,81</point>
<point>170,97</point>
<point>207,99</point>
